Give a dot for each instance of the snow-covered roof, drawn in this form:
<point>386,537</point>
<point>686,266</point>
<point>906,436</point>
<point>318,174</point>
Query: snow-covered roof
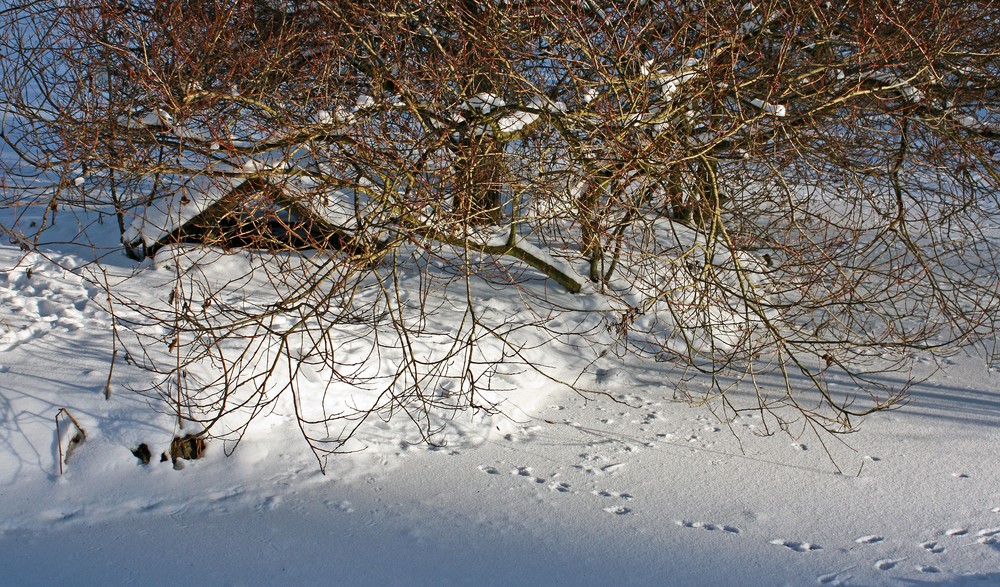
<point>198,193</point>
<point>165,214</point>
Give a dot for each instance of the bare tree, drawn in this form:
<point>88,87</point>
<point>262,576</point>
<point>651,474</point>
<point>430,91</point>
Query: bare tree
<point>770,187</point>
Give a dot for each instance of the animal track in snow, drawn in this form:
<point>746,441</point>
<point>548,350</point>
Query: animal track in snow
<point>489,470</point>
<point>227,494</point>
<point>224,500</point>
<point>143,505</point>
<point>887,564</point>
<point>928,569</point>
<point>956,532</point>
<point>559,487</point>
<point>605,493</point>
<point>709,527</point>
<point>597,468</point>
<point>797,546</point>
<point>526,473</point>
<point>988,536</point>
<point>869,539</point>
<point>60,515</point>
<point>342,506</point>
<point>834,579</point>
<point>932,547</point>
<point>269,503</point>
<point>618,510</point>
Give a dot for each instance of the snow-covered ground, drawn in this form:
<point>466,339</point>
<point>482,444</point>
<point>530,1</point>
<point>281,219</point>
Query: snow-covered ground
<point>643,491</point>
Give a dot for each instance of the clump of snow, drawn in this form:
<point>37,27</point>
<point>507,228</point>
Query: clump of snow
<point>484,103</point>
<point>769,108</point>
<point>364,102</point>
<point>895,82</point>
<point>516,121</point>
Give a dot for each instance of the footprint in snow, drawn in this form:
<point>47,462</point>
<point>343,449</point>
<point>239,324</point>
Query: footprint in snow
<point>834,579</point>
<point>618,510</point>
<point>270,503</point>
<point>869,539</point>
<point>605,470</point>
<point>887,564</point>
<point>48,309</point>
<point>559,487</point>
<point>928,569</point>
<point>526,473</point>
<point>60,515</point>
<point>988,536</point>
<point>341,506</point>
<point>797,546</point>
<point>956,532</point>
<point>489,470</point>
<point>932,547</point>
<point>606,493</point>
<point>11,337</point>
<point>709,527</point>
<point>144,506</point>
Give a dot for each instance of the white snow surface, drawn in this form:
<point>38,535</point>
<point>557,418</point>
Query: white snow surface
<point>632,489</point>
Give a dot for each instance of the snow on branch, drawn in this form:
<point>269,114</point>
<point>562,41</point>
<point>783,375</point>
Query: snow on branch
<point>976,125</point>
<point>891,81</point>
<point>913,95</point>
<point>769,108</point>
<point>670,83</point>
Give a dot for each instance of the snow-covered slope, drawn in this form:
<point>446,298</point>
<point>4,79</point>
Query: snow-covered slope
<point>631,489</point>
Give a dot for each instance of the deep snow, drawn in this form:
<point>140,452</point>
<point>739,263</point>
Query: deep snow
<point>581,492</point>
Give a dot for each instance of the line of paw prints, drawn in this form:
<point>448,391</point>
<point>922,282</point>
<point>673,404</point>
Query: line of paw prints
<point>988,536</point>
<point>709,527</point>
<point>555,485</point>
